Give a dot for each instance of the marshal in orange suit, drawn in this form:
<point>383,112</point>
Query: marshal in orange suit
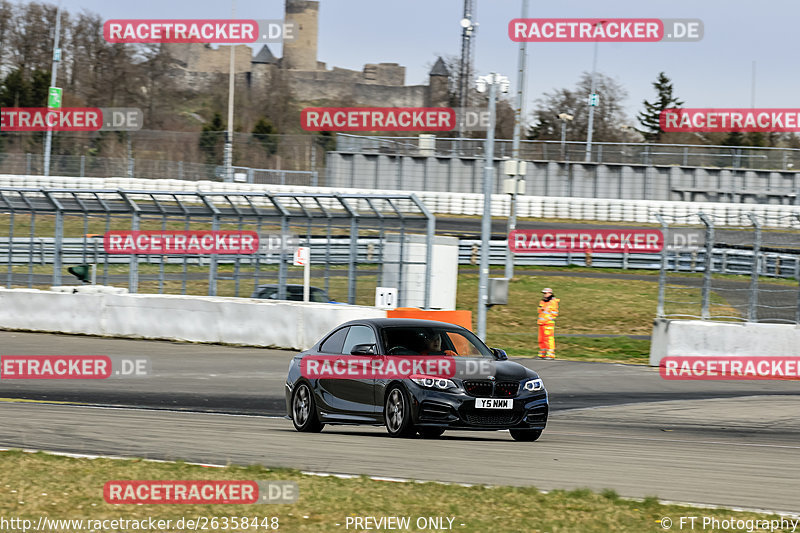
<point>548,311</point>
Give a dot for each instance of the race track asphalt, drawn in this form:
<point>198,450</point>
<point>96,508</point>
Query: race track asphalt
<point>612,426</point>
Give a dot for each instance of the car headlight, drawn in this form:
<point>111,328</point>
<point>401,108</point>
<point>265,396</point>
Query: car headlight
<point>533,385</point>
<point>434,383</point>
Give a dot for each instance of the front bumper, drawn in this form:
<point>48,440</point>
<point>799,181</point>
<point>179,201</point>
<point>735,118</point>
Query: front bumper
<point>457,410</point>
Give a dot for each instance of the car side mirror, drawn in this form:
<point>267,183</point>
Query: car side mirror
<point>363,349</point>
<point>499,354</point>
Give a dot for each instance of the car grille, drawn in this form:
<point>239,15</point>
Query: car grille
<point>479,388</point>
<point>492,419</point>
<point>506,389</point>
<point>489,389</point>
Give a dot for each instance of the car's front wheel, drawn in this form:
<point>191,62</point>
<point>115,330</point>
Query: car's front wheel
<point>304,411</point>
<point>525,435</point>
<point>397,413</point>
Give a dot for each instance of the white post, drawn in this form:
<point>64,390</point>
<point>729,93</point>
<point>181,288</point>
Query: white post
<point>229,135</point>
<point>518,119</point>
<point>48,142</point>
<point>307,279</point>
<point>591,107</point>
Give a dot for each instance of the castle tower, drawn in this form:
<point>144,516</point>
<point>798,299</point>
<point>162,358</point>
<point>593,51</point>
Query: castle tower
<point>301,52</point>
<point>438,85</point>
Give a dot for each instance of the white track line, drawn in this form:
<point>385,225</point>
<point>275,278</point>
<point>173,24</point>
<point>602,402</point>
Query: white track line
<point>404,480</point>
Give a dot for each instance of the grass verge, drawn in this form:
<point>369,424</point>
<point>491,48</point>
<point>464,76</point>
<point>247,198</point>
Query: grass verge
<point>39,484</point>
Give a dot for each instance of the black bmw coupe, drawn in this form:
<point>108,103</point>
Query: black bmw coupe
<point>440,376</point>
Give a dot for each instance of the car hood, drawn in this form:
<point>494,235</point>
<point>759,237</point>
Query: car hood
<point>470,368</point>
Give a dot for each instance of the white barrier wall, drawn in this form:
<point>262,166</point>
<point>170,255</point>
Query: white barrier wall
<point>290,325</point>
<point>699,338</point>
<point>447,203</point>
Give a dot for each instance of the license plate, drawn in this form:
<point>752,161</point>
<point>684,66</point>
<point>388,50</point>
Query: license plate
<point>491,403</point>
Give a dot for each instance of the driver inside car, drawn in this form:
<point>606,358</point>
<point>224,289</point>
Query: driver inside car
<point>433,346</point>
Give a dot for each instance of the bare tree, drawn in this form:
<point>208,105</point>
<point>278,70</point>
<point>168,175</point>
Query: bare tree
<point>608,115</point>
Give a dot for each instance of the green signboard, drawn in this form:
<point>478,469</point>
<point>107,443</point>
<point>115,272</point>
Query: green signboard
<point>54,98</point>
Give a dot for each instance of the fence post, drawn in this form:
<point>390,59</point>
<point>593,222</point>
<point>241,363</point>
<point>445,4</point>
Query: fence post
<point>59,247</point>
<point>133,269</point>
<point>752,303</point>
<point>797,277</point>
<point>429,238</point>
<point>662,273</point>
<point>706,291</point>
<point>130,157</point>
<point>212,260</point>
<point>28,164</point>
<point>180,170</point>
<point>83,165</point>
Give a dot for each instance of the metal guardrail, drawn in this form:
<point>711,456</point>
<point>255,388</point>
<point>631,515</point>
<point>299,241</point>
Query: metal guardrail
<point>44,216</point>
<point>759,253</point>
<point>337,252</point>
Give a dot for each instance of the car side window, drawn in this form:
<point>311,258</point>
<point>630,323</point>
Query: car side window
<point>318,295</point>
<point>358,335</point>
<point>334,343</point>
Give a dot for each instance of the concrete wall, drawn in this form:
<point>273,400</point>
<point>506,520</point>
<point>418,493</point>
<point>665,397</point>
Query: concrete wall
<point>290,325</point>
<point>198,57</point>
<point>696,338</point>
<point>549,178</point>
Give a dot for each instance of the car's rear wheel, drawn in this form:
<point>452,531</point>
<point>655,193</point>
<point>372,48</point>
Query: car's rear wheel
<point>430,432</point>
<point>525,435</point>
<point>397,413</point>
<point>304,410</point>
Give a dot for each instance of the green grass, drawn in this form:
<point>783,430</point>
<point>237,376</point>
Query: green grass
<point>35,485</point>
<point>606,350</point>
<point>588,305</point>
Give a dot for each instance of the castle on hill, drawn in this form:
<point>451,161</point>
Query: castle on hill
<point>198,67</point>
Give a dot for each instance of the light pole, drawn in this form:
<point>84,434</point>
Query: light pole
<point>564,118</point>
<point>48,142</point>
<point>229,134</point>
<point>512,214</point>
<point>593,100</point>
<point>493,82</point>
<point>468,27</point>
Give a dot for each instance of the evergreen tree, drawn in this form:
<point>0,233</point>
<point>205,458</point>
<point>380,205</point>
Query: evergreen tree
<point>211,139</point>
<point>266,134</point>
<point>650,117</point>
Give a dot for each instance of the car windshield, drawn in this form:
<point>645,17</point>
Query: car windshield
<point>421,340</point>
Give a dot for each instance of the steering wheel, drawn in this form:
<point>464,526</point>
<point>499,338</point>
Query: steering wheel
<point>396,350</point>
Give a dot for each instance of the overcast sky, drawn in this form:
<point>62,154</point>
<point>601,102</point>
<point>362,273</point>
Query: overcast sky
<point>715,72</point>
